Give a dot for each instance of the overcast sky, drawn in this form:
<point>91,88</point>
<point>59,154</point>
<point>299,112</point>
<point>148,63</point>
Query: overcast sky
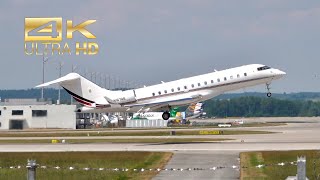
<point>148,41</point>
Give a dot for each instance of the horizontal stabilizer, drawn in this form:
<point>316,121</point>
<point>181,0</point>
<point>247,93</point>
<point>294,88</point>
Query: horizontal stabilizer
<point>68,77</point>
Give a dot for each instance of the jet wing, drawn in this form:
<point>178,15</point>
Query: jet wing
<point>157,104</point>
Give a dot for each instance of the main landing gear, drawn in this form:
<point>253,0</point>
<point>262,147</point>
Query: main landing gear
<point>165,115</point>
<point>268,89</point>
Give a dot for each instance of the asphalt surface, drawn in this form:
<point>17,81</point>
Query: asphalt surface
<point>188,147</point>
<point>205,161</point>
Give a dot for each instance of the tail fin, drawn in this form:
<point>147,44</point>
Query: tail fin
<point>82,90</point>
<point>194,109</point>
<point>174,111</point>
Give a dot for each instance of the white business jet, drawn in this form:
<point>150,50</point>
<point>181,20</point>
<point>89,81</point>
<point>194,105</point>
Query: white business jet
<point>164,96</point>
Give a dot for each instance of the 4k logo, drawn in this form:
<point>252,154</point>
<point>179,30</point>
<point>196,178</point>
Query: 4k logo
<point>43,29</point>
<point>49,32</point>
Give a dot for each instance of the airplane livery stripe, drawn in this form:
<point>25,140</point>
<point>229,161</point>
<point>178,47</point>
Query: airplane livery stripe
<point>81,101</point>
<point>77,97</point>
<point>85,101</point>
<point>209,87</point>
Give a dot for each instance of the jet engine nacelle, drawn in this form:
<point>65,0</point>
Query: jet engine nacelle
<point>122,97</point>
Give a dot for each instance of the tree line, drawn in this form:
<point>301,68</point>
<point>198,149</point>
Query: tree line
<point>260,107</point>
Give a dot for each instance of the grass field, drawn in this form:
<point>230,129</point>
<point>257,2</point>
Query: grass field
<point>79,160</point>
<point>252,159</point>
<point>140,140</point>
<point>119,133</point>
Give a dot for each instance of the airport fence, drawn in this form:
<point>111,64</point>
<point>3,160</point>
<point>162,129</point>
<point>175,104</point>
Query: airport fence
<point>32,167</point>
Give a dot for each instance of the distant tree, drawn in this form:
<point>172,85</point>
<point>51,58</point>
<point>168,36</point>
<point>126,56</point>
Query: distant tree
<point>261,106</point>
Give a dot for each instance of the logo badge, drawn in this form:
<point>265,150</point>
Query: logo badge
<point>44,36</point>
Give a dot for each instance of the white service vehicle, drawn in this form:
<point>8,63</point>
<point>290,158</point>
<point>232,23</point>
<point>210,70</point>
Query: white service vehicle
<point>224,125</point>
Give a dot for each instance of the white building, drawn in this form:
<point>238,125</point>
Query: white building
<point>37,116</point>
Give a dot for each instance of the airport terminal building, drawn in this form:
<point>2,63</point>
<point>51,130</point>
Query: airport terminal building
<point>31,113</point>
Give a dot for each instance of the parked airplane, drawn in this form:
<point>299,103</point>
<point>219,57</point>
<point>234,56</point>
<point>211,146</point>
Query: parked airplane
<point>164,96</point>
<point>193,111</point>
<point>111,119</point>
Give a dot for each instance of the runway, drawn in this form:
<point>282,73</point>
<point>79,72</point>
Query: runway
<point>202,160</point>
<point>190,147</point>
<point>299,135</point>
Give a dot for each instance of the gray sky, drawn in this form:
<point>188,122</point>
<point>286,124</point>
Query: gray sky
<point>148,41</point>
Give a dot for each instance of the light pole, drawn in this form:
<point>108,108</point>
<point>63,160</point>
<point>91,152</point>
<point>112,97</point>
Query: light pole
<point>73,69</point>
<point>44,60</point>
<point>95,78</point>
<point>105,81</point>
<point>109,81</point>
<point>85,73</point>
<point>115,82</point>
<point>91,77</point>
<point>59,93</point>
<point>119,81</point>
<point>101,80</point>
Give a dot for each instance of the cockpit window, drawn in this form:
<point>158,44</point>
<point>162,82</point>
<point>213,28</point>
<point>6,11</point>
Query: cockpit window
<point>263,68</point>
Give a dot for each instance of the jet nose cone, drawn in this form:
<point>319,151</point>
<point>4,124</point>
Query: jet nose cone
<point>282,73</point>
<point>278,73</point>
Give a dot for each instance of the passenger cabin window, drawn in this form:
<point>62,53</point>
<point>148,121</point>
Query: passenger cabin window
<point>192,85</point>
<point>178,88</point>
<point>245,74</point>
<point>205,83</point>
<point>17,112</point>
<point>165,91</point>
<point>39,113</point>
<point>238,75</point>
<point>211,81</point>
<point>231,77</point>
<point>263,68</point>
<point>218,80</point>
<point>185,87</point>
<point>159,92</point>
<point>0,113</point>
<point>172,90</point>
<point>225,78</point>
<point>199,84</point>
<point>153,94</point>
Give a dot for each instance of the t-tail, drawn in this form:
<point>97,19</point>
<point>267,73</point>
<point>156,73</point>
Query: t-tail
<point>82,90</point>
<point>194,110</point>
<point>174,111</point>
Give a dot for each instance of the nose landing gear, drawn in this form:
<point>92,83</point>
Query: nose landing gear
<point>268,89</point>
